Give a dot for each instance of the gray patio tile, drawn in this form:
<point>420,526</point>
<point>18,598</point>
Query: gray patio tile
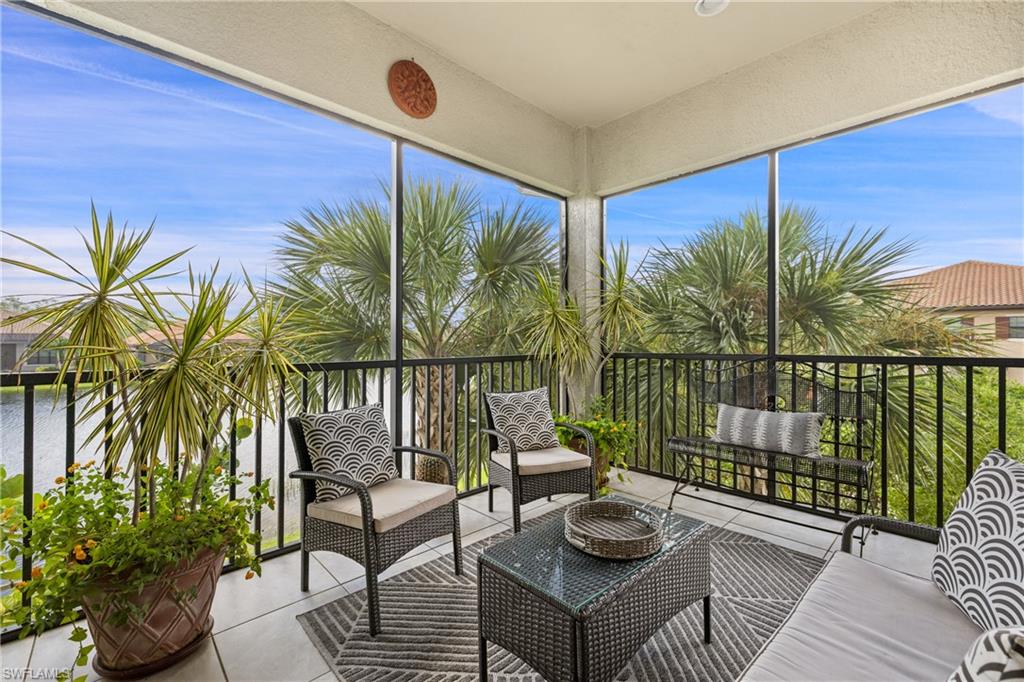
<point>688,505</point>
<point>344,569</point>
<point>470,521</point>
<point>808,536</point>
<point>16,655</point>
<point>53,651</point>
<point>203,665</point>
<point>274,646</point>
<point>641,485</point>
<point>239,600</point>
<point>502,504</point>
<point>781,512</point>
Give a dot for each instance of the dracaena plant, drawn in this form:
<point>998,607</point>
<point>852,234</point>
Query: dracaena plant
<point>220,356</point>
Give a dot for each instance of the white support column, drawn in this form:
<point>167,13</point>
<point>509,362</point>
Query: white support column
<point>585,230</point>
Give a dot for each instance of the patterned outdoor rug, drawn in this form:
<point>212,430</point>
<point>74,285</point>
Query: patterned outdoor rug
<point>430,623</point>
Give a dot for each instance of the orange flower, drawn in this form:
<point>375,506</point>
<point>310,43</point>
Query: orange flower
<point>218,470</point>
<point>20,585</point>
<point>80,555</point>
<point>42,505</point>
<point>249,575</point>
<point>90,462</point>
<point>73,468</point>
<point>37,573</point>
<point>59,480</point>
<point>179,517</point>
<point>90,543</point>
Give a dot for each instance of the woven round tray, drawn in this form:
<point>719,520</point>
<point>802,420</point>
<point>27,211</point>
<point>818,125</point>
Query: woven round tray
<point>613,530</point>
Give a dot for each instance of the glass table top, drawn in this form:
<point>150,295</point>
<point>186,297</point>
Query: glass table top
<point>542,558</point>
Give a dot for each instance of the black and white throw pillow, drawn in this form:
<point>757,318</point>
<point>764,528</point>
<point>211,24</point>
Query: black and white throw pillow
<point>979,563</point>
<point>996,656</point>
<point>354,443</point>
<point>525,417</point>
<point>794,433</point>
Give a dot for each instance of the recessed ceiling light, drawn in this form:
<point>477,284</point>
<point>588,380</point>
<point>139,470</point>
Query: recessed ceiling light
<point>709,8</point>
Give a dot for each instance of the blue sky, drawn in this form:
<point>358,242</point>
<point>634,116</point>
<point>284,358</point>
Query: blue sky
<point>951,180</point>
<point>217,167</point>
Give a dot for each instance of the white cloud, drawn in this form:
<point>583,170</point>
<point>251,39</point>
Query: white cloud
<point>1007,105</point>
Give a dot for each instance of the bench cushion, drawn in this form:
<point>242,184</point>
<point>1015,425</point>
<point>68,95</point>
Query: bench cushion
<point>546,461</point>
<point>394,503</point>
<point>841,469</point>
<point>794,433</point>
<point>862,621</point>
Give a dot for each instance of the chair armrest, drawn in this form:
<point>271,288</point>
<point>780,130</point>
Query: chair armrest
<point>587,436</point>
<point>430,453</point>
<point>513,453</point>
<point>359,488</point>
<point>915,531</point>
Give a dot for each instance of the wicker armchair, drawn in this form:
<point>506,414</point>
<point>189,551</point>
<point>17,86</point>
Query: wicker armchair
<point>558,470</point>
<point>376,525</point>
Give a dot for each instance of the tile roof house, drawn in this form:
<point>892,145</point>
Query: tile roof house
<point>14,339</point>
<point>971,285</point>
<point>986,295</point>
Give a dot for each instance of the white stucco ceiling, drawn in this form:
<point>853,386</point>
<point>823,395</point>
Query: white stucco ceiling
<point>587,63</point>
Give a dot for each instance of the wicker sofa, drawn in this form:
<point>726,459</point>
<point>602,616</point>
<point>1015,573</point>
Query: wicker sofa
<point>862,621</point>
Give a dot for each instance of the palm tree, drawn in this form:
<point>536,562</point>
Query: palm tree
<point>837,296</point>
<point>469,270</point>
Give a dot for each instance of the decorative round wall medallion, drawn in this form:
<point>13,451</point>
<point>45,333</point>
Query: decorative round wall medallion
<point>411,89</point>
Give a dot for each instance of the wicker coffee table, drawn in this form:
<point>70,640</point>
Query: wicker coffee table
<point>572,616</point>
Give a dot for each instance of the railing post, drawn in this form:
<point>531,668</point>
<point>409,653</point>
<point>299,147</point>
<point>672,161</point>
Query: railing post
<point>773,274</point>
<point>397,287</point>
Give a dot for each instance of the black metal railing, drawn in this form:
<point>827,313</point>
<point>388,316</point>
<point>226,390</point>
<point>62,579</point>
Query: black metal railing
<point>442,409</point>
<point>936,418</point>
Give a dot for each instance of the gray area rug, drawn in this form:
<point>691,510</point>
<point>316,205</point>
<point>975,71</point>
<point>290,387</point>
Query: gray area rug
<point>430,623</point>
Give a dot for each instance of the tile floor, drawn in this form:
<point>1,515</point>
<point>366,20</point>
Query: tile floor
<point>256,636</point>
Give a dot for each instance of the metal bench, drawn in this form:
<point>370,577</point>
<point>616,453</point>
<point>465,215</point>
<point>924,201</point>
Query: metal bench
<point>837,483</point>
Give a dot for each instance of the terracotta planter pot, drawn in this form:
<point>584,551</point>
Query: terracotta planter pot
<point>171,629</point>
<point>603,465</point>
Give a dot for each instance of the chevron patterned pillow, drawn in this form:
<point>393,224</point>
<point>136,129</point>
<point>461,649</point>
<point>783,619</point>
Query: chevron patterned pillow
<point>525,417</point>
<point>794,433</point>
<point>354,443</point>
<point>996,656</point>
<point>979,563</point>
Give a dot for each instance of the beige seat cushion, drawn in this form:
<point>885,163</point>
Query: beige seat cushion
<point>394,502</point>
<point>546,461</point>
<point>862,621</point>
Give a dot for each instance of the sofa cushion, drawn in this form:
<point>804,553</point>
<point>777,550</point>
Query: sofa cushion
<point>525,417</point>
<point>996,656</point>
<point>980,559</point>
<point>861,621</point>
<point>354,443</point>
<point>394,503</point>
<point>794,433</point>
<point>546,461</point>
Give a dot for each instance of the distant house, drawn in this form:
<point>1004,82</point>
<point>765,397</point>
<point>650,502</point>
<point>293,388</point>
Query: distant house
<point>989,296</point>
<point>15,338</point>
<point>148,344</point>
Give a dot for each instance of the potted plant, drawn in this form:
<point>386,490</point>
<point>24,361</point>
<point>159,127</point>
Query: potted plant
<point>613,439</point>
<point>137,539</point>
